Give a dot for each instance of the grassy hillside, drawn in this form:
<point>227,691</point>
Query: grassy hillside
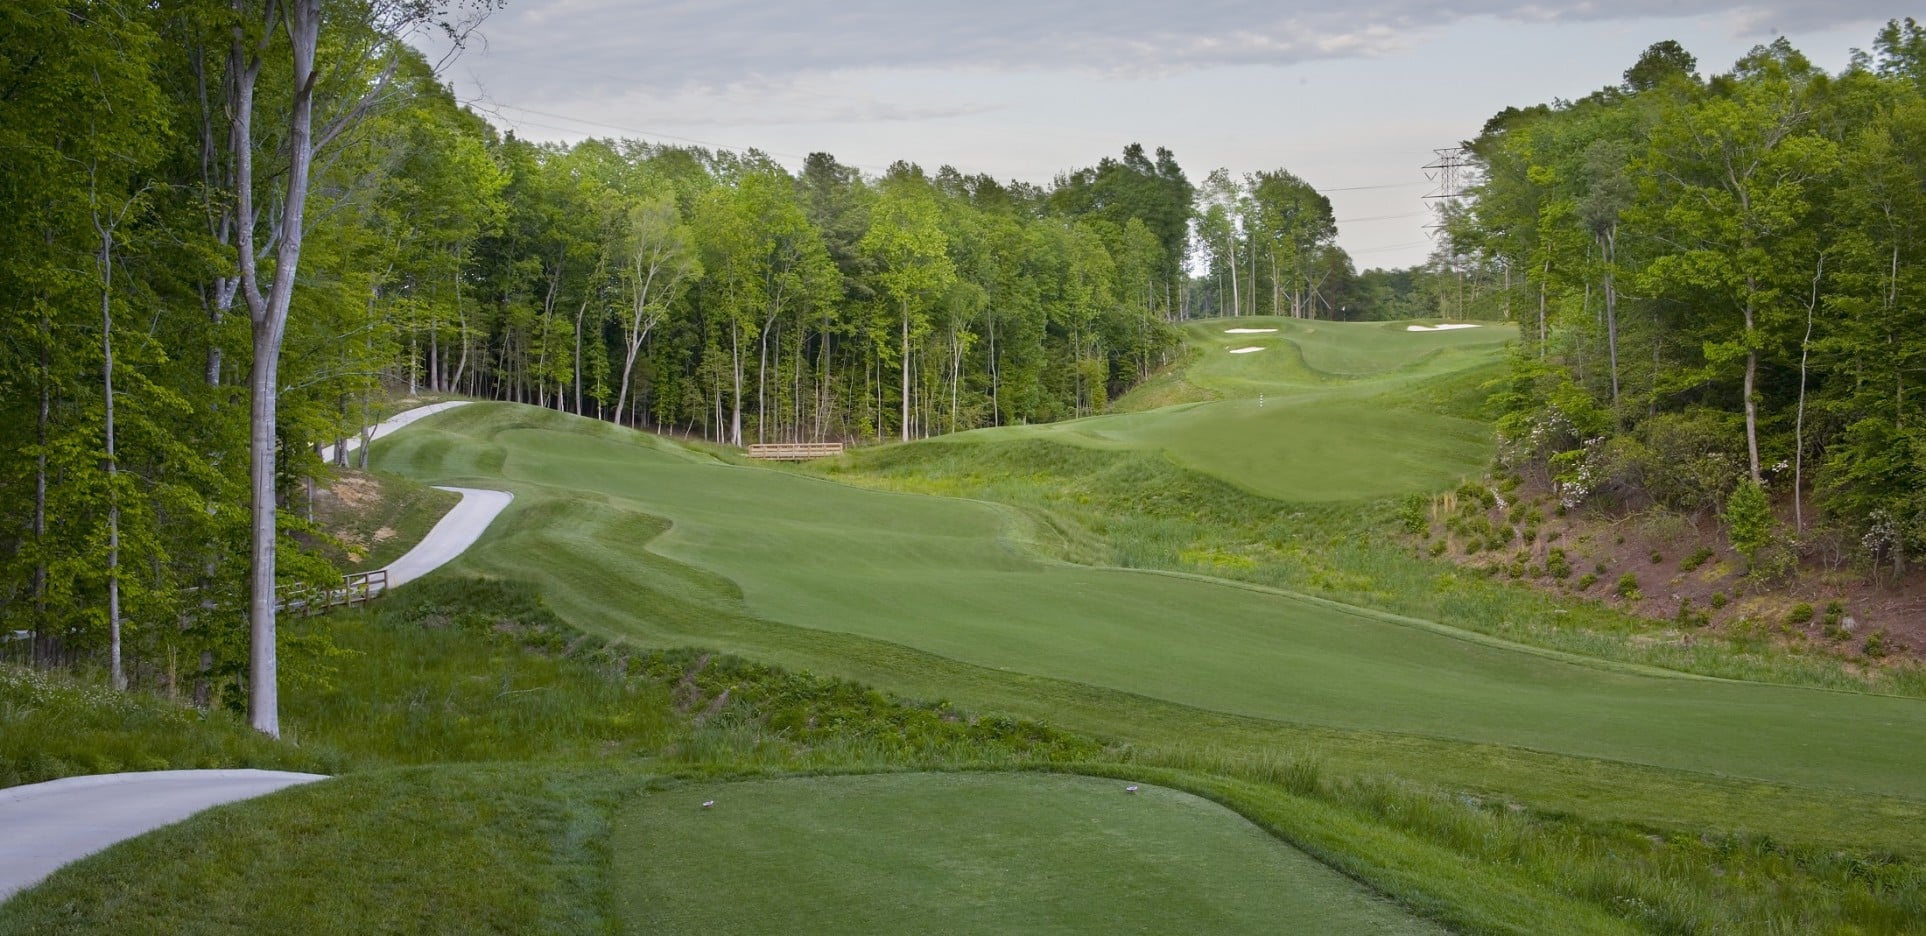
<point>747,553</point>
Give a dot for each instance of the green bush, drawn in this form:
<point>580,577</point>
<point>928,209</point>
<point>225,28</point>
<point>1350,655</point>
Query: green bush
<point>1586,581</point>
<point>1875,645</point>
<point>1627,587</point>
<point>1718,599</point>
<point>1414,514</point>
<point>1657,557</point>
<point>1557,565</point>
<point>1748,520</point>
<point>1698,558</point>
<point>1801,613</point>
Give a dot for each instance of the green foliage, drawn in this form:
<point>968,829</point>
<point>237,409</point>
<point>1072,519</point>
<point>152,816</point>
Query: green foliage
<point>1748,521</point>
<point>1698,558</point>
<point>1627,587</point>
<point>1800,613</point>
<point>1414,514</point>
<point>1875,645</point>
<point>1557,565</point>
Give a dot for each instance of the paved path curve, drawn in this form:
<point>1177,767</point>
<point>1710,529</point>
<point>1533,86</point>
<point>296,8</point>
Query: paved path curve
<point>391,424</point>
<point>453,534</point>
<point>44,826</point>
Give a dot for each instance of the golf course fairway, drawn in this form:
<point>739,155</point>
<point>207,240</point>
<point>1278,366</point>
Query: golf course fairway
<point>1304,417</point>
<point>969,853</point>
<point>637,538</point>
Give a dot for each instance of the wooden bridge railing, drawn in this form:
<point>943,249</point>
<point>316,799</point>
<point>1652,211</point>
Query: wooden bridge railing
<point>355,588</point>
<point>796,451</point>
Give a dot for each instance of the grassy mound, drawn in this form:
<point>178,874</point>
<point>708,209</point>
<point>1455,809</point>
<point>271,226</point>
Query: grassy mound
<point>1324,411</point>
<point>969,853</point>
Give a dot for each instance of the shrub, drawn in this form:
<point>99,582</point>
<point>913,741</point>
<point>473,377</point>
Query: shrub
<point>1627,587</point>
<point>1748,520</point>
<point>1875,645</point>
<point>1557,565</point>
<point>1718,599</point>
<point>1657,557</point>
<point>1835,610</point>
<point>1586,581</point>
<point>1800,613</point>
<point>1414,514</point>
<point>1438,548</point>
<point>1698,558</point>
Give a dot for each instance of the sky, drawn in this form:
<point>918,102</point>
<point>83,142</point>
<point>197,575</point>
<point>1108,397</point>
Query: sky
<point>1351,95</point>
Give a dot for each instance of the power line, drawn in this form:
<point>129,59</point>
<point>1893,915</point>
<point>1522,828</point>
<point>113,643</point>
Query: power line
<point>495,110</point>
<point>1395,217</point>
<point>1448,169</point>
<point>1366,188</point>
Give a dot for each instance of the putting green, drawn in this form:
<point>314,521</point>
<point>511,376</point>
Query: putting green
<point>969,853</point>
<point>1318,413</point>
<point>950,577</point>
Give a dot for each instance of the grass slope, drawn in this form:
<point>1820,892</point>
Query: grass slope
<point>453,850</point>
<point>951,578</point>
<point>969,853</point>
<point>481,667</point>
<point>1310,417</point>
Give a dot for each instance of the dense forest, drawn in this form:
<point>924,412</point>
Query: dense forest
<point>1718,287</point>
<point>234,231</point>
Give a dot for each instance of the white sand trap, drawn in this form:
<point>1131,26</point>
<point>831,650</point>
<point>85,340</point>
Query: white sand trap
<point>1245,350</point>
<point>1249,331</point>
<point>1448,326</point>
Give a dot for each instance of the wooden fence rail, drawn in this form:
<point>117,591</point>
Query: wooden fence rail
<point>795,451</point>
<point>355,588</point>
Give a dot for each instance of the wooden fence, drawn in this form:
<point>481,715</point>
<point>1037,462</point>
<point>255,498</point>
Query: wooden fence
<point>796,451</point>
<point>355,588</point>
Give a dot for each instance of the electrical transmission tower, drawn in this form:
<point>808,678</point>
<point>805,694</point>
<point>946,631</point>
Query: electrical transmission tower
<point>1450,169</point>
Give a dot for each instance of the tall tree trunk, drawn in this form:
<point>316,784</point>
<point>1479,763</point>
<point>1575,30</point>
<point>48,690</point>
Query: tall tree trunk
<point>1237,304</point>
<point>1799,421</point>
<point>906,371</point>
<point>106,261</point>
<point>735,383</point>
<point>43,648</point>
<point>269,314</point>
<point>1609,243</point>
<point>1751,385</point>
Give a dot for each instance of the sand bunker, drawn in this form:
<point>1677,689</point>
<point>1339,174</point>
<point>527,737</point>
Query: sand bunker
<point>1448,326</point>
<point>1249,331</point>
<point>1245,350</point>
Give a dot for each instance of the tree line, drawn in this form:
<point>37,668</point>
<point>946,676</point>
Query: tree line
<point>1719,288</point>
<point>233,229</point>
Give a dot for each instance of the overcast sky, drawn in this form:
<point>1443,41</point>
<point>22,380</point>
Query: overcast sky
<point>1352,95</point>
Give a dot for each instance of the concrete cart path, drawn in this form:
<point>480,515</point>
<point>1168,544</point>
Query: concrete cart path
<point>44,826</point>
<point>388,426</point>
<point>453,534</point>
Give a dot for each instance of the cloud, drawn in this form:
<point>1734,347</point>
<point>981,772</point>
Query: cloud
<point>668,45</point>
